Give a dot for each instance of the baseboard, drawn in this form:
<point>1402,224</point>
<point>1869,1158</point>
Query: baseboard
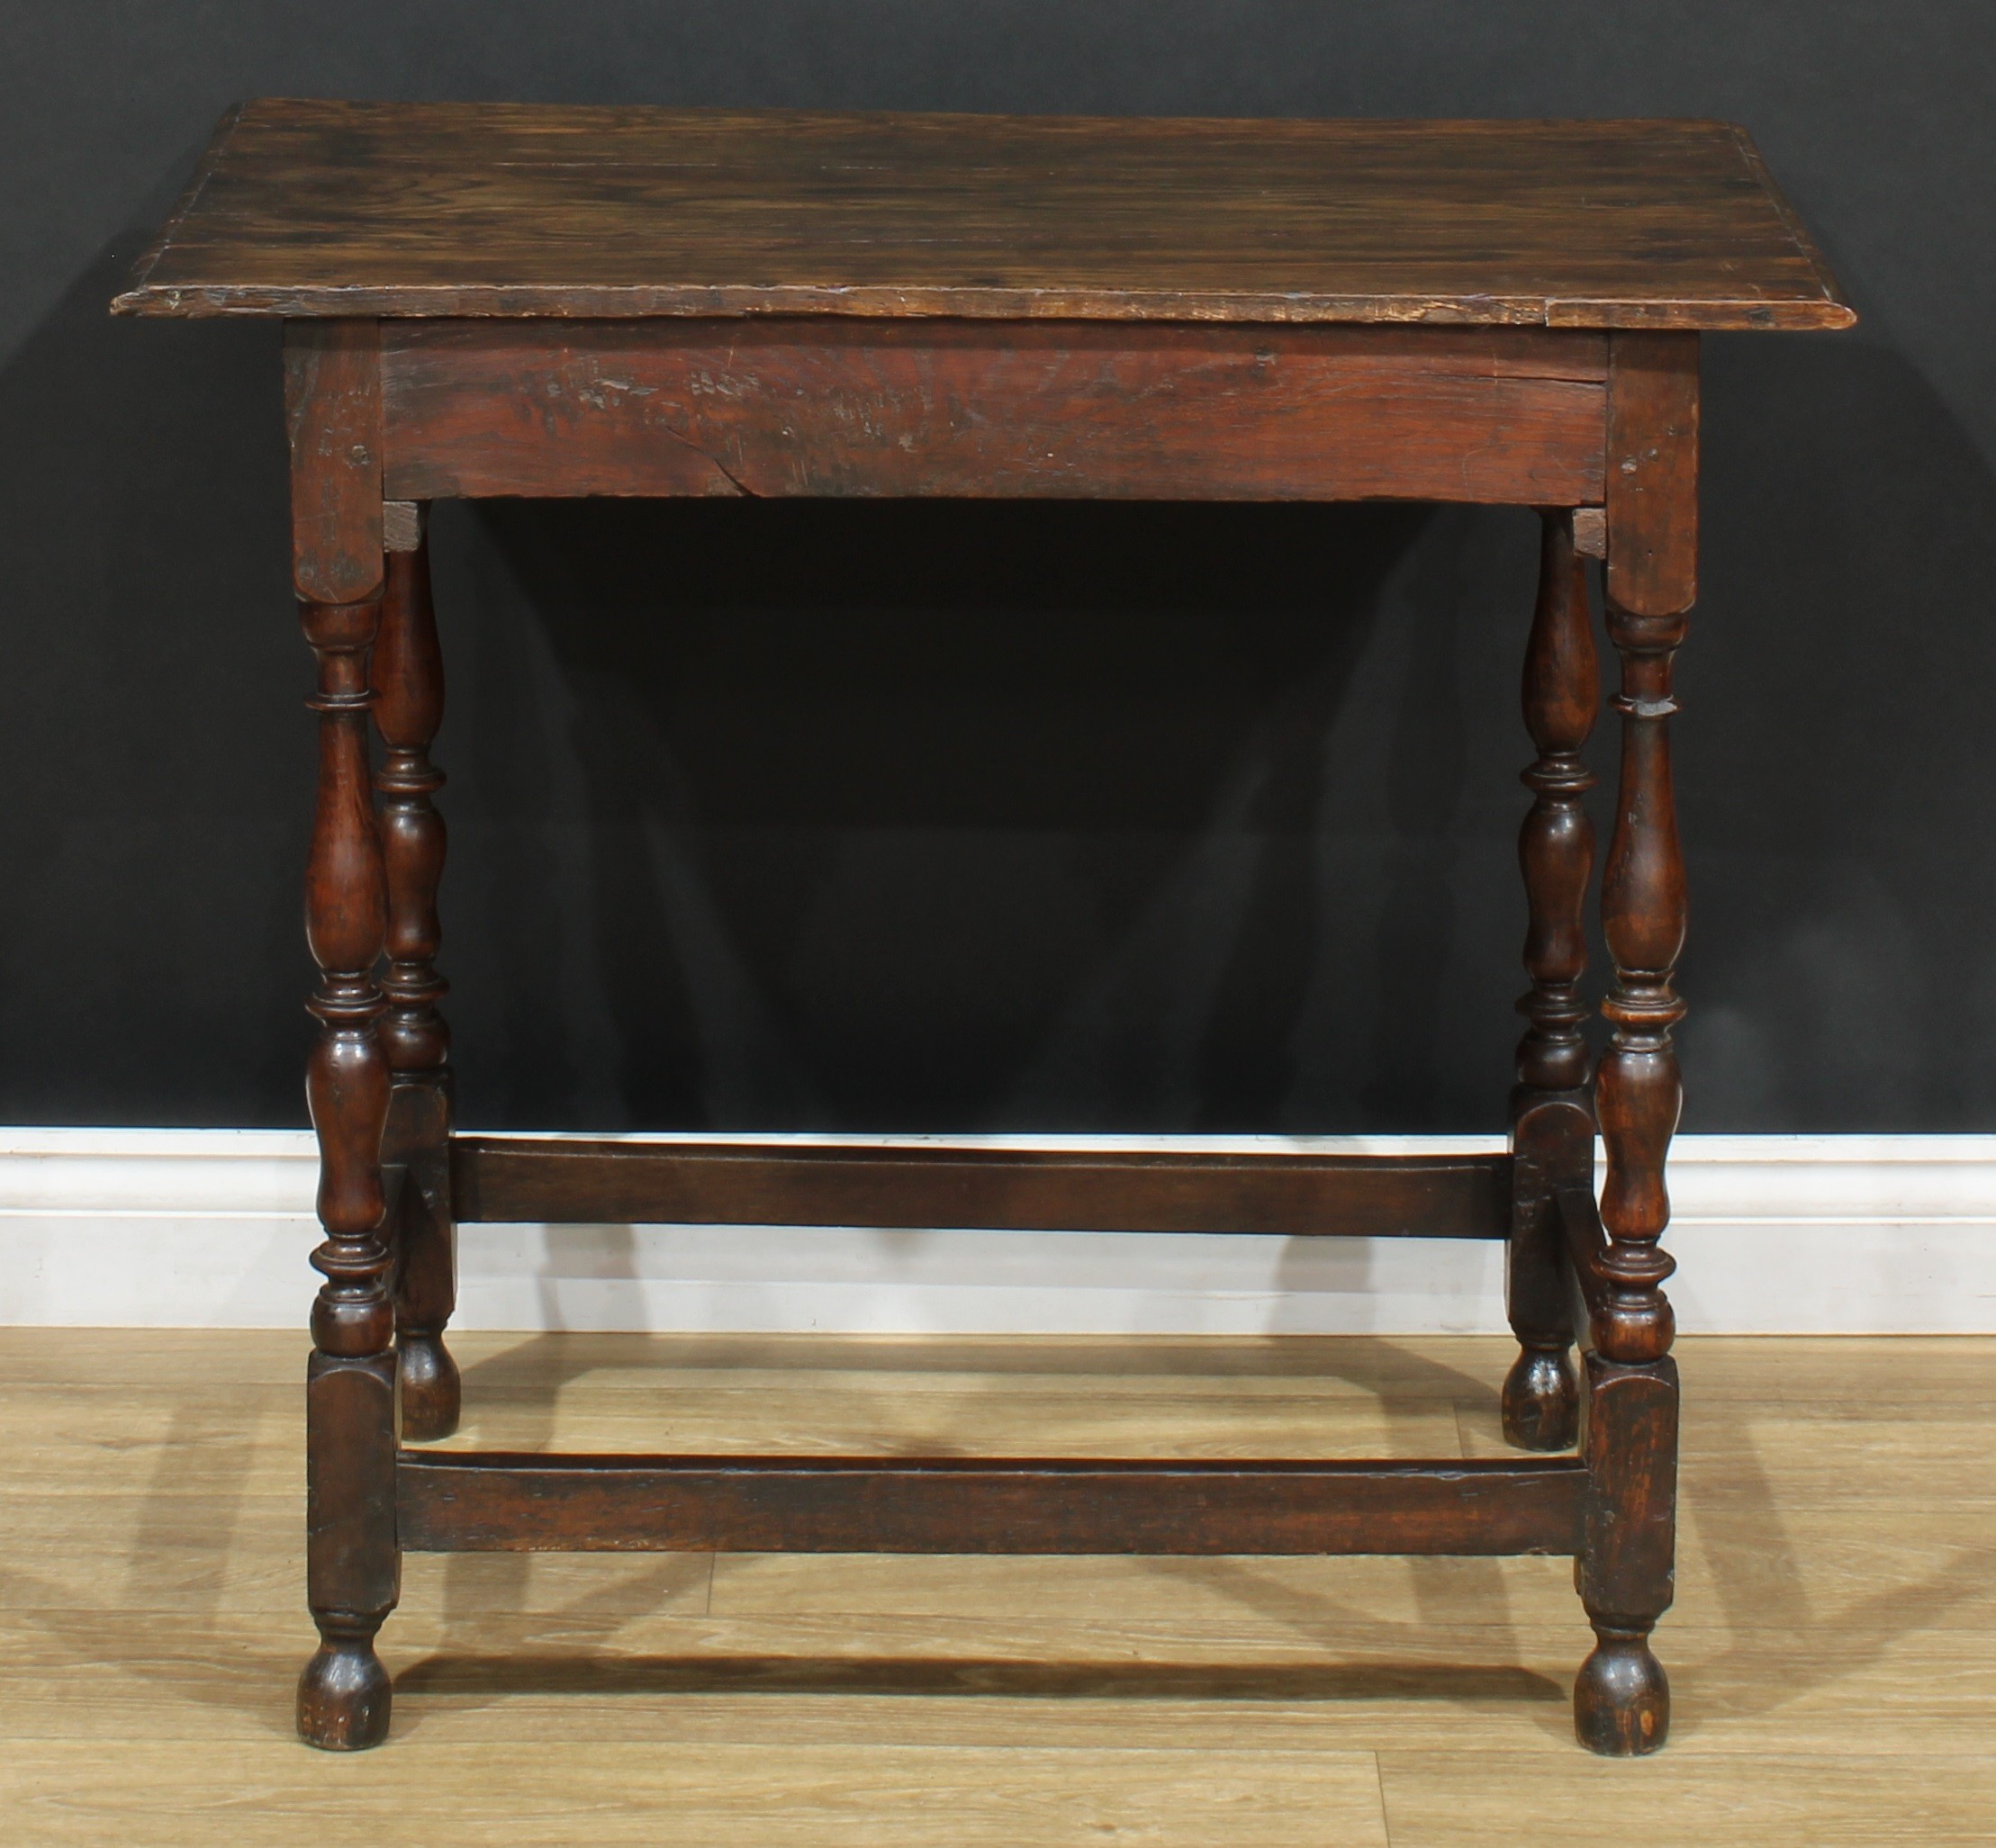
<point>1773,1234</point>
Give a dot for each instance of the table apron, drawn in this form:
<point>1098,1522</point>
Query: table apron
<point>840,408</point>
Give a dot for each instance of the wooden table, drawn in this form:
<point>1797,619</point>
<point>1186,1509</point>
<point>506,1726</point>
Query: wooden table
<point>493,299</point>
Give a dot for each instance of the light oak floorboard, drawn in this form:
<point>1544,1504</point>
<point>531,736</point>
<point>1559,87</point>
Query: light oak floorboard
<point>803,1794</point>
<point>1775,1800</point>
<point>1833,1651</point>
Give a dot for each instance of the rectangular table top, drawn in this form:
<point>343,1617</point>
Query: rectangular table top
<point>303,208</point>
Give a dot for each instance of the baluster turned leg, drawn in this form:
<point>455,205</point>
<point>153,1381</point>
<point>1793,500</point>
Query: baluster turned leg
<point>1622,1701</point>
<point>409,684</point>
<point>353,1569</point>
<point>1552,1124</point>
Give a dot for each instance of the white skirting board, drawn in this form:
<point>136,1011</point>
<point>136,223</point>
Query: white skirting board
<point>1773,1234</point>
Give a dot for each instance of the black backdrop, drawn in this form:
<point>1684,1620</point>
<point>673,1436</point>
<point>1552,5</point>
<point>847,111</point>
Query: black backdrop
<point>989,817</point>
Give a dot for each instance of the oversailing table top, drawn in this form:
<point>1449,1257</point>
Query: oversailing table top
<point>311,208</point>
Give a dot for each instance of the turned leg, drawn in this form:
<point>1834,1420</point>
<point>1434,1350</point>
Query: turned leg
<point>409,707</point>
<point>353,1569</point>
<point>1551,1123</point>
<point>1625,1572</point>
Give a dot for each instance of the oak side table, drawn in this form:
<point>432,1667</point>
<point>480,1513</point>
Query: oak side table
<point>528,301</point>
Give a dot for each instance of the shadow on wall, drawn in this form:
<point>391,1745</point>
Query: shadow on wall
<point>158,774</point>
<point>998,815</point>
<point>1837,773</point>
<point>920,816</point>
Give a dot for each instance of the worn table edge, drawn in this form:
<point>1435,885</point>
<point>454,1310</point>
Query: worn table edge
<point>1791,222</point>
<point>525,302</point>
<point>190,194</point>
<point>1825,308</point>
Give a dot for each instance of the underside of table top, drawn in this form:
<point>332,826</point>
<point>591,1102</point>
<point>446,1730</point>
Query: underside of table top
<point>309,208</point>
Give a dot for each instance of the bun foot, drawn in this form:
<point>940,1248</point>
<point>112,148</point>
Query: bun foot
<point>432,1394</point>
<point>344,1694</point>
<point>1542,1401</point>
<point>1622,1700</point>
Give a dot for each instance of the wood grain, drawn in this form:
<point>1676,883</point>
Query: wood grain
<point>148,1616</point>
<point>952,408</point>
<point>584,221</point>
<point>1833,1561</point>
<point>306,208</point>
<point>1652,473</point>
<point>727,1796</point>
<point>1857,1799</point>
<point>333,398</point>
<point>573,1180</point>
<point>332,410</point>
<point>1551,1128</point>
<point>494,1500</point>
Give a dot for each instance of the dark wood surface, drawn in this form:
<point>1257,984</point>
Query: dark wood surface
<point>573,1180</point>
<point>1637,1095</point>
<point>353,1569</point>
<point>1652,472</point>
<point>840,408</point>
<point>1586,1245</point>
<point>1627,1570</point>
<point>406,670</point>
<point>1621,1698</point>
<point>473,1502</point>
<point>330,208</point>
<point>1552,1126</point>
<point>1556,843</point>
<point>628,245</point>
<point>332,413</point>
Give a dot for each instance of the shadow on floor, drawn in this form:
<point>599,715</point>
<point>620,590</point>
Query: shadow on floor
<point>169,1622</point>
<point>461,1674</point>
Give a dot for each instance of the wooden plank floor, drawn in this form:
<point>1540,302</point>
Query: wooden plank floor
<point>1833,1650</point>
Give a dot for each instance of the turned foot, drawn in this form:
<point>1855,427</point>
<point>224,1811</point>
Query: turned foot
<point>1542,1401</point>
<point>344,1694</point>
<point>432,1394</point>
<point>1622,1701</point>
